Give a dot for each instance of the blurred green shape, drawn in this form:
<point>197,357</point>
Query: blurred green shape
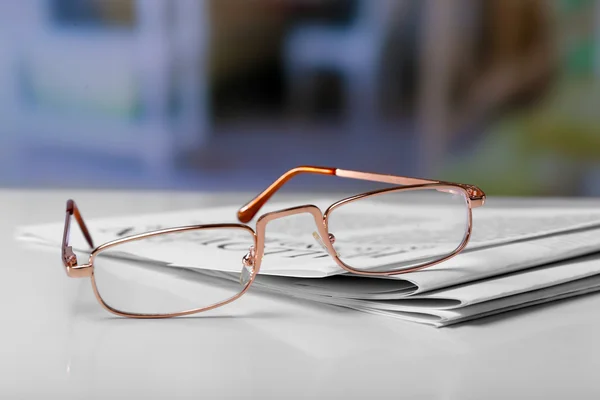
<point>569,123</point>
<point>499,163</point>
<point>540,151</point>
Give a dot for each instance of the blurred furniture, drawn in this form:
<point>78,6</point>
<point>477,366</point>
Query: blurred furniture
<point>474,64</point>
<point>354,52</point>
<point>135,88</point>
<point>551,145</point>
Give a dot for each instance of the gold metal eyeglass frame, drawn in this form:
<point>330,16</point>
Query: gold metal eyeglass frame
<point>475,198</point>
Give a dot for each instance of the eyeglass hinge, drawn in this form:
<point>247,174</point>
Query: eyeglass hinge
<point>81,271</point>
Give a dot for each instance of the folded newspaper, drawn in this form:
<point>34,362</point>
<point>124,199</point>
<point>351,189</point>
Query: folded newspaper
<point>516,257</point>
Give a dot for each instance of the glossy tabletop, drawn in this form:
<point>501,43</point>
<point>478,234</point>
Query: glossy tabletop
<point>57,342</point>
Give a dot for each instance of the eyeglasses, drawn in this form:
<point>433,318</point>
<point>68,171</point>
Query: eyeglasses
<point>413,225</point>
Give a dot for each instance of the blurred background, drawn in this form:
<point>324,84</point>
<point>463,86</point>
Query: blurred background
<point>228,94</point>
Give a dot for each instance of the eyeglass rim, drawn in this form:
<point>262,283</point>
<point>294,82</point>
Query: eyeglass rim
<point>428,186</point>
<point>98,250</point>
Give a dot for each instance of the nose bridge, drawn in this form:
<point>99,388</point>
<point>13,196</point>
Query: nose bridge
<point>306,209</point>
<point>262,222</point>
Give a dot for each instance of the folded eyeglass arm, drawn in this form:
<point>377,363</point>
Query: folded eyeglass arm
<point>249,210</point>
<point>68,257</point>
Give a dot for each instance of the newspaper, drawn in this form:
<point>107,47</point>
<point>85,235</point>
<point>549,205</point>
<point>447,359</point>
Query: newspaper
<point>515,257</point>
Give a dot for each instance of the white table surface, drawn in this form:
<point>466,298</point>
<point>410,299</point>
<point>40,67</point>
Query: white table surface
<point>57,342</point>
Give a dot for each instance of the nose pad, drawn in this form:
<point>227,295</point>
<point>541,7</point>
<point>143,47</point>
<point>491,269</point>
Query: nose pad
<point>247,266</point>
<point>331,238</point>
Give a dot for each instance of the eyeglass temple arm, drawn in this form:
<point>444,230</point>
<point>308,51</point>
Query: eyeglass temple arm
<point>249,210</point>
<point>69,258</point>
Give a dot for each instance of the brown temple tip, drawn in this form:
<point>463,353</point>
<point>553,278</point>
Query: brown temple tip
<point>244,217</point>
<point>74,211</point>
<point>249,210</point>
<point>70,206</point>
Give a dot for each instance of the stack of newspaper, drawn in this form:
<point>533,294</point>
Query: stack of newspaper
<point>516,257</point>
